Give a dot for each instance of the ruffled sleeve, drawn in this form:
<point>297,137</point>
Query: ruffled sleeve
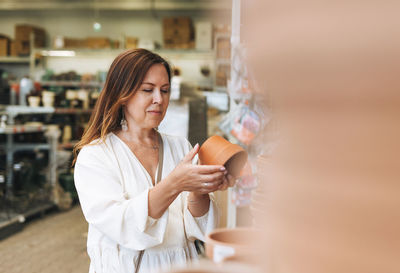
<point>106,207</point>
<point>199,227</point>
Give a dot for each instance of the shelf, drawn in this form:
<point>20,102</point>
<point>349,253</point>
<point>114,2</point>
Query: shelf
<point>223,61</point>
<point>20,129</point>
<point>119,5</point>
<point>72,111</point>
<point>72,83</point>
<point>16,60</point>
<point>27,146</point>
<point>221,89</point>
<point>77,52</point>
<point>20,110</point>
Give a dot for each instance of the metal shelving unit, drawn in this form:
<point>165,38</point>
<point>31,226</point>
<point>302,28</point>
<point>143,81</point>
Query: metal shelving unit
<point>14,110</point>
<point>10,147</point>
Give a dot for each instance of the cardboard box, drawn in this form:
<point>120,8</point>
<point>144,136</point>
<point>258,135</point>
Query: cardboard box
<point>23,37</point>
<point>98,42</point>
<point>23,32</point>
<point>222,29</point>
<point>65,42</point>
<point>74,43</point>
<point>23,48</point>
<point>131,42</point>
<point>178,32</point>
<point>115,44</point>
<point>13,49</point>
<point>4,46</point>
<point>222,75</point>
<point>223,48</point>
<point>182,21</point>
<point>204,35</point>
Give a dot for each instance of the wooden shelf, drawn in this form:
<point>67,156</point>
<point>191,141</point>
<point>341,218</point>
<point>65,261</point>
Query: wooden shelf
<point>17,60</point>
<point>72,83</point>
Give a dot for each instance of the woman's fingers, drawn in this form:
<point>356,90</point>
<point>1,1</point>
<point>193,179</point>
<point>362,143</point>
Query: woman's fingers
<point>215,177</point>
<point>189,156</point>
<point>208,169</point>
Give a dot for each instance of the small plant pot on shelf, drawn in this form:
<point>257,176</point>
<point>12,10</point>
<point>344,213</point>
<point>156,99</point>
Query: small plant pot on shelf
<point>218,151</point>
<point>34,101</point>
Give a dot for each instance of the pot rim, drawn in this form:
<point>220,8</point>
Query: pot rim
<point>223,153</point>
<point>218,230</point>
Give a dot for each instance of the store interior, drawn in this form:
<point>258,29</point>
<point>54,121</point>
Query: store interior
<point>54,58</point>
<point>305,95</point>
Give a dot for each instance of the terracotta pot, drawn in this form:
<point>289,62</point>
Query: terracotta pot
<point>218,151</point>
<point>205,266</point>
<point>237,244</point>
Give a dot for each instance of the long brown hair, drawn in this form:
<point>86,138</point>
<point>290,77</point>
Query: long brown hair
<point>124,78</point>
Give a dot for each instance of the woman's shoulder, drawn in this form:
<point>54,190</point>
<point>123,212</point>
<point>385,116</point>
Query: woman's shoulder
<point>95,149</point>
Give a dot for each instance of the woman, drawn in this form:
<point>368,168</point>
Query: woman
<point>116,177</point>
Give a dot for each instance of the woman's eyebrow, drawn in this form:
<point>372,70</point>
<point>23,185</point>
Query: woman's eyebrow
<point>154,84</point>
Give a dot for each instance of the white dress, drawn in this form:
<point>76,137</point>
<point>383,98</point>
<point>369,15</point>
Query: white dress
<point>113,191</point>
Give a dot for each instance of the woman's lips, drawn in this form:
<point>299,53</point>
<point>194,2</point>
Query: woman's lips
<point>155,112</point>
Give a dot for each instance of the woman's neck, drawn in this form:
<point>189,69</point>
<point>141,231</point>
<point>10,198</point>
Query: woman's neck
<point>139,134</point>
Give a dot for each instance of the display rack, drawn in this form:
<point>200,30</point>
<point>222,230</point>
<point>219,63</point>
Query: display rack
<point>14,110</point>
<point>11,147</point>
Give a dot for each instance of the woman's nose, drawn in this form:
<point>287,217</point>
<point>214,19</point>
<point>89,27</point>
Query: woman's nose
<point>157,97</point>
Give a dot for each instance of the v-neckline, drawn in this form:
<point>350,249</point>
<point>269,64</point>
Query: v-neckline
<point>152,184</point>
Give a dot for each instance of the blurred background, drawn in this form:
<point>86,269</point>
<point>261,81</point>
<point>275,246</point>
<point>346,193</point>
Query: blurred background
<point>309,88</point>
<point>54,57</point>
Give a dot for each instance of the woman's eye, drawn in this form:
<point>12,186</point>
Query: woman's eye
<point>165,91</point>
<point>147,90</point>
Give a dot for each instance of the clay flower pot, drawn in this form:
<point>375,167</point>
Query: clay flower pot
<point>232,244</point>
<point>218,151</point>
<point>205,266</point>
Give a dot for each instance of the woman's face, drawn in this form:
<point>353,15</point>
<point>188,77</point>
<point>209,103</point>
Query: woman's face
<point>147,107</point>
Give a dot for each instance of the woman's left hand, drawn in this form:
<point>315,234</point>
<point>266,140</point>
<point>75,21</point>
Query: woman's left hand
<point>228,181</point>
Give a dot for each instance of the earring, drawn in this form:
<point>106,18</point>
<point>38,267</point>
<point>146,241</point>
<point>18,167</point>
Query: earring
<point>124,124</point>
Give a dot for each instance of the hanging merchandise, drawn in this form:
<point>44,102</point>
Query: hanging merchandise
<point>242,123</point>
<point>238,85</point>
<point>245,184</point>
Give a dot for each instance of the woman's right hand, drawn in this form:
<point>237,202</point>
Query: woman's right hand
<point>201,179</point>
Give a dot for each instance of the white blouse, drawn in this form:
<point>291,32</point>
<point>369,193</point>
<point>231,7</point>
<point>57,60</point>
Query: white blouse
<point>113,191</point>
